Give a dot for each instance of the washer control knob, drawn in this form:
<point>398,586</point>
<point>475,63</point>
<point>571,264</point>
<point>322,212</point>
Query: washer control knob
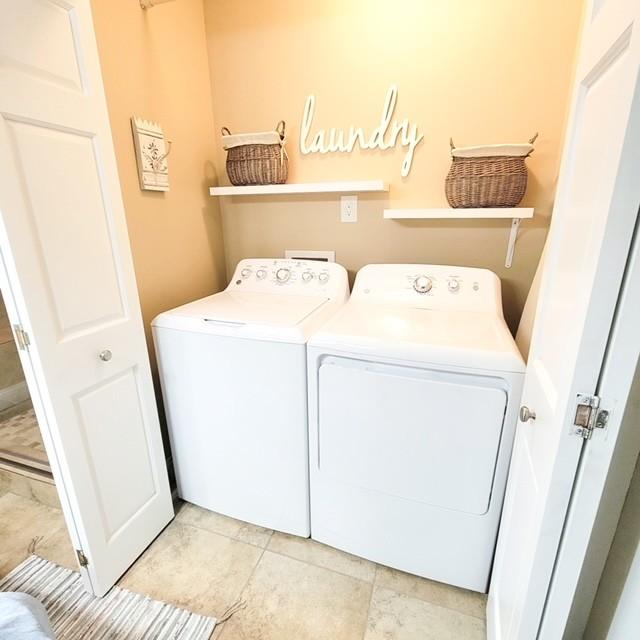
<point>283,274</point>
<point>261,274</point>
<point>422,284</point>
<point>453,285</point>
<point>246,272</point>
<point>323,278</point>
<point>307,276</point>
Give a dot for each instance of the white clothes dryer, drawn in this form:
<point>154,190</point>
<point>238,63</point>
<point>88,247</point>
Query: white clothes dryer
<point>233,375</point>
<point>413,394</point>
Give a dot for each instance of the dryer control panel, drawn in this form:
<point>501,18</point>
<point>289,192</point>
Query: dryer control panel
<point>282,275</point>
<point>429,286</point>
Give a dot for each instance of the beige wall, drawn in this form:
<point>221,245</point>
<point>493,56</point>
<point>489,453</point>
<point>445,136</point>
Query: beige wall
<point>154,65</point>
<point>481,72</point>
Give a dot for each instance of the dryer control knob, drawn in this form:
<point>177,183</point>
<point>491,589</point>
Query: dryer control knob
<point>454,285</point>
<point>307,276</point>
<point>323,278</point>
<point>422,284</point>
<point>282,275</point>
<point>261,274</point>
<point>246,272</point>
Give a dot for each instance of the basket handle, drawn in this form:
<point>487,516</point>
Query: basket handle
<point>453,146</point>
<point>225,132</point>
<point>280,129</point>
<point>532,140</point>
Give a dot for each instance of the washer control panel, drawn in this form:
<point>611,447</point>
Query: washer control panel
<point>429,286</point>
<point>280,275</point>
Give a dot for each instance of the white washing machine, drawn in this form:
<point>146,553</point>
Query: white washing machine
<point>233,374</point>
<point>413,393</point>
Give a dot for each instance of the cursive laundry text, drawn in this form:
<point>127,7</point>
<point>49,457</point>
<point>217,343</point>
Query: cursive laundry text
<point>384,136</point>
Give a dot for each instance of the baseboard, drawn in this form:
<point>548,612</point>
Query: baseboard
<point>10,466</point>
<point>13,395</point>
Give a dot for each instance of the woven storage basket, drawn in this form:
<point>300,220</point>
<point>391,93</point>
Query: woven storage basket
<point>489,176</point>
<point>256,158</point>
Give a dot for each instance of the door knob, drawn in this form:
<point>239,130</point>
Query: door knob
<point>526,414</point>
<point>105,355</point>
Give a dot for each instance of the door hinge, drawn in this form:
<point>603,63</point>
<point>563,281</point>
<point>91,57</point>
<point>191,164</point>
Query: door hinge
<point>588,416</point>
<point>22,337</point>
<point>82,559</point>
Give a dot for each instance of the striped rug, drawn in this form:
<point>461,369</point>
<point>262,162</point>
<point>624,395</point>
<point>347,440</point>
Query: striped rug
<point>75,614</point>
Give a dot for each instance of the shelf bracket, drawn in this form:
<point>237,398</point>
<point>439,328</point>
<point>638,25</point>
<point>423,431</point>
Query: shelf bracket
<point>513,236</point>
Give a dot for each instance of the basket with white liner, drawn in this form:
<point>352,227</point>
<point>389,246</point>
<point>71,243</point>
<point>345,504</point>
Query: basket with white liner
<point>488,176</point>
<point>256,158</point>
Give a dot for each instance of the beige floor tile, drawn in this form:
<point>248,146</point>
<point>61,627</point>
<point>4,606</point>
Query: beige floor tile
<point>45,493</point>
<point>217,523</point>
<point>469,602</point>
<point>322,556</point>
<point>291,600</point>
<point>38,490</point>
<point>193,568</point>
<point>22,520</point>
<point>16,409</point>
<point>397,616</point>
<point>20,437</point>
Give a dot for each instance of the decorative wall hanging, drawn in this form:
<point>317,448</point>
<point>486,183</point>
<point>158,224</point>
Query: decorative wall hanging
<point>384,136</point>
<point>151,154</point>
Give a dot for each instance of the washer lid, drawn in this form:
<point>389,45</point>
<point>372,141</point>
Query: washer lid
<point>477,340</point>
<point>243,314</point>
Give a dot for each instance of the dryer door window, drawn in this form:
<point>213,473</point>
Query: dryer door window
<point>417,434</point>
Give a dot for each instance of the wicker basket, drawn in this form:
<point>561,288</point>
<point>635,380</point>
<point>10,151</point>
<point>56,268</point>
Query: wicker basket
<point>256,158</point>
<point>490,176</point>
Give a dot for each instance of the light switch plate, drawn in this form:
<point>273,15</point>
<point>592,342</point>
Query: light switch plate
<point>349,209</point>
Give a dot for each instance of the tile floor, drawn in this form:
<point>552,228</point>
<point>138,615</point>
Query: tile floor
<point>21,520</point>
<point>20,438</point>
<point>29,486</point>
<point>294,589</point>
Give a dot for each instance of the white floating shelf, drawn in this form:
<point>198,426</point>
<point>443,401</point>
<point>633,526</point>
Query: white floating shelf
<point>493,212</point>
<point>515,214</point>
<point>351,186</point>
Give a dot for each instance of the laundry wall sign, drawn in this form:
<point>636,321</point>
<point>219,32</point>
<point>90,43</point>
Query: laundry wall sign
<point>384,136</point>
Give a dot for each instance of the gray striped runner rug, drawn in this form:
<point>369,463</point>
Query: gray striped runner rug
<point>75,614</point>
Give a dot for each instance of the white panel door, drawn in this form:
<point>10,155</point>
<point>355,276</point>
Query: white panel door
<point>595,211</point>
<point>69,270</point>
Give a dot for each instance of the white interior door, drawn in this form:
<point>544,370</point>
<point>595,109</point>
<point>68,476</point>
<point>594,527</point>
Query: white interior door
<point>67,259</point>
<point>596,207</point>
<point>606,467</point>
